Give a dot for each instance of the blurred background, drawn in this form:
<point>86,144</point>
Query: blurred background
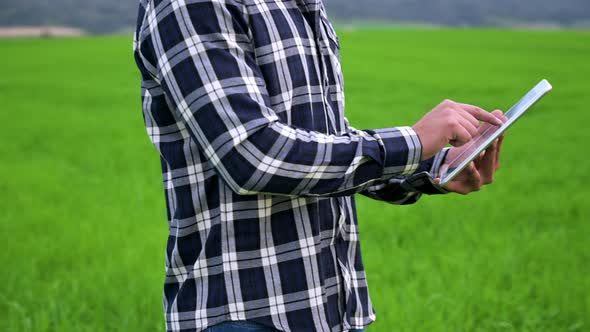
<point>115,16</point>
<point>82,213</point>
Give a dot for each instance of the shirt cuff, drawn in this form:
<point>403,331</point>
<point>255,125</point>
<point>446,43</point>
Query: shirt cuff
<point>438,161</point>
<point>423,182</point>
<point>403,150</point>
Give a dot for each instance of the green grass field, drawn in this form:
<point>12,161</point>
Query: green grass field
<point>83,225</point>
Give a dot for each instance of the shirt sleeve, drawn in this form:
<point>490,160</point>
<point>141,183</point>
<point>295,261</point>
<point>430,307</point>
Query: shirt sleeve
<point>404,190</point>
<point>202,56</point>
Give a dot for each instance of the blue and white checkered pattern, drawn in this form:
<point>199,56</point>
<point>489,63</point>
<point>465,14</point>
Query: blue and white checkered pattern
<point>244,101</point>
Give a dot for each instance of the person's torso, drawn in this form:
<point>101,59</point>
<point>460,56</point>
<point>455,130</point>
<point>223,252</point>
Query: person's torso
<point>292,263</point>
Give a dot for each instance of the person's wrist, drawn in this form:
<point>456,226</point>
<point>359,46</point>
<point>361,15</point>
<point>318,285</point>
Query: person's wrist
<point>421,157</point>
<point>427,151</point>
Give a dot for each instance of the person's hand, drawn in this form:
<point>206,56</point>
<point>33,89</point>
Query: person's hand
<point>450,123</point>
<point>481,171</point>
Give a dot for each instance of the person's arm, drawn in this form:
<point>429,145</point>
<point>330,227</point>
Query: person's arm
<point>408,189</point>
<point>202,57</point>
<point>402,190</point>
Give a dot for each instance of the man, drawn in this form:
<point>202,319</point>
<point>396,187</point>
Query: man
<point>244,101</point>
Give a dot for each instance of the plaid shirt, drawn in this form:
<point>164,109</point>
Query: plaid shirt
<point>244,101</point>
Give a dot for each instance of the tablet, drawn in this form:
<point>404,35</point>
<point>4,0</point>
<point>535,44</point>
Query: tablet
<point>473,148</point>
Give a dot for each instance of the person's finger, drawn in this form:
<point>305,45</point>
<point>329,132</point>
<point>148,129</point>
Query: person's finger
<point>468,117</point>
<point>467,124</point>
<point>503,117</point>
<point>487,165</point>
<point>485,126</point>
<point>473,177</point>
<point>482,115</point>
<point>498,149</point>
<point>462,135</point>
<point>468,181</point>
<point>478,159</point>
<point>500,115</point>
<point>458,186</point>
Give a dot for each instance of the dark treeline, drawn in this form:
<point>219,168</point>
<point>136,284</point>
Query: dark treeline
<point>466,12</point>
<point>105,16</point>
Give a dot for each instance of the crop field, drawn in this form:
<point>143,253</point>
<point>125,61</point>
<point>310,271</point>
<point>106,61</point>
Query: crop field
<point>82,211</point>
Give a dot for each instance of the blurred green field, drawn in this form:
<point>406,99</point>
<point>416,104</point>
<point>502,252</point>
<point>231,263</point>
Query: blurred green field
<point>83,225</point>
